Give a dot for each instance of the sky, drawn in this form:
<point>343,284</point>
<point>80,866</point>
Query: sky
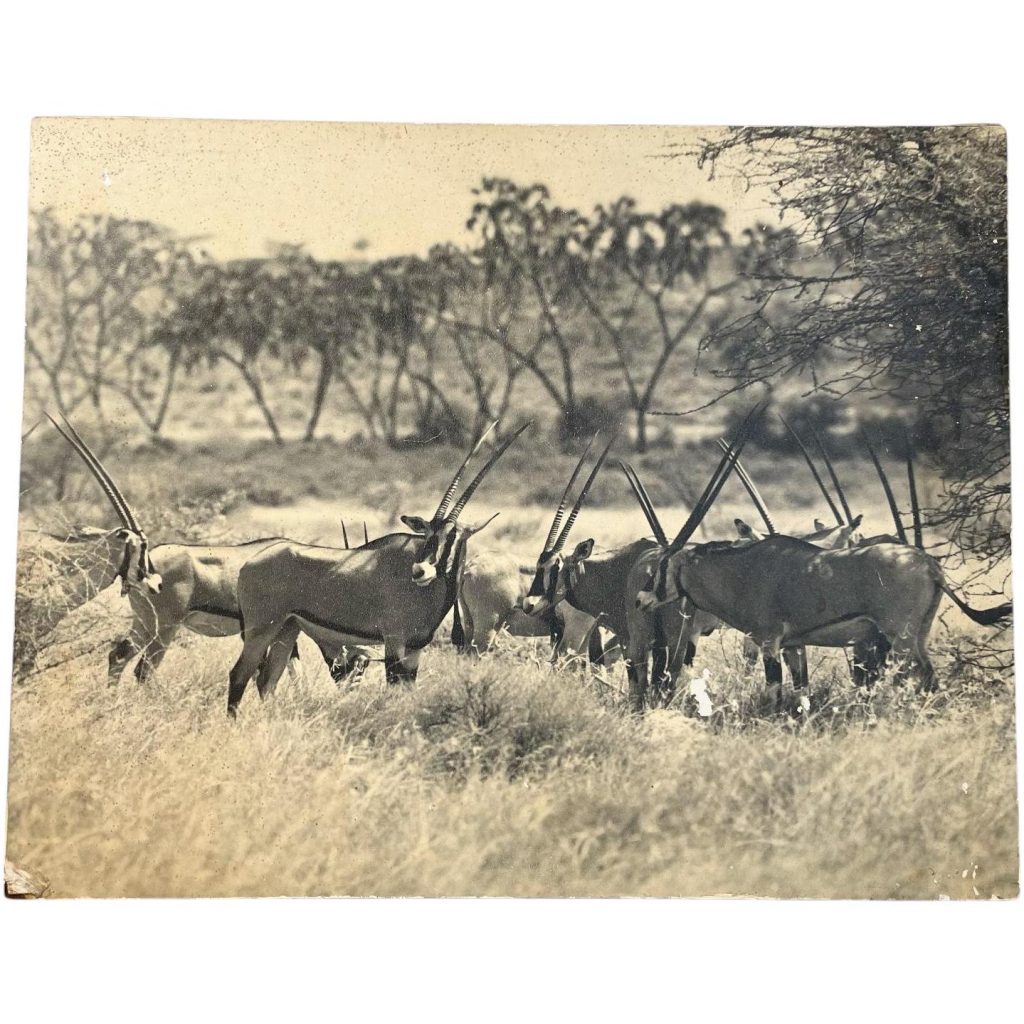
<point>245,185</point>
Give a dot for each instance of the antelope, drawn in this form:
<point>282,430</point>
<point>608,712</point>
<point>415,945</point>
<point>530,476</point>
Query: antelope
<point>597,585</point>
<point>490,596</point>
<point>168,586</point>
<point>694,622</point>
<point>785,592</point>
<point>394,591</point>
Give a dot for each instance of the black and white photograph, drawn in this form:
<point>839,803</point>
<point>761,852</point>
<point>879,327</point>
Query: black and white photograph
<point>514,510</point>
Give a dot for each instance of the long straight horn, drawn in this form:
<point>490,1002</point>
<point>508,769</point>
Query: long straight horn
<point>564,535</point>
<point>644,501</point>
<point>114,496</point>
<point>814,470</point>
<point>755,495</point>
<point>835,479</point>
<point>718,478</point>
<point>442,508</point>
<point>560,511</point>
<point>456,511</point>
<point>889,497</point>
<point>366,533</point>
<point>344,534</point>
<point>915,508</point>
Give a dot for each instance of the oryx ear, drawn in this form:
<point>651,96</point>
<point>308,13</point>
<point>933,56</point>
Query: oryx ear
<point>416,523</point>
<point>856,521</point>
<point>743,529</point>
<point>584,549</point>
<point>819,525</point>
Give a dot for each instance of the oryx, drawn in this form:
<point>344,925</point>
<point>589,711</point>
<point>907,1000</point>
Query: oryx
<point>785,592</point>
<point>597,585</point>
<point>491,592</point>
<point>692,622</point>
<point>393,591</point>
<point>168,586</point>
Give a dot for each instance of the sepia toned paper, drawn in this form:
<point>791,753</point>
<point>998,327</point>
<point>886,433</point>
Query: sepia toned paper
<point>261,650</point>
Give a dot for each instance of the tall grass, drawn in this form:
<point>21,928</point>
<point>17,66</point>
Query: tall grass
<point>503,777</point>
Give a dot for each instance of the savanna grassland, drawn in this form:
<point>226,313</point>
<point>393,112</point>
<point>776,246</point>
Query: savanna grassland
<point>502,776</point>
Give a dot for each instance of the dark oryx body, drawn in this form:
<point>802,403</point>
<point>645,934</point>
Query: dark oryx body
<point>335,596</point>
<point>785,592</point>
<point>393,591</point>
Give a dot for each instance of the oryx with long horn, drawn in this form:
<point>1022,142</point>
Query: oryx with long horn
<point>168,586</point>
<point>784,592</point>
<point>593,584</point>
<point>394,591</point>
<point>684,623</point>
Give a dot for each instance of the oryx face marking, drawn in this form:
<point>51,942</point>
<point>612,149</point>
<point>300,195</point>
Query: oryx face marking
<point>436,556</point>
<point>137,571</point>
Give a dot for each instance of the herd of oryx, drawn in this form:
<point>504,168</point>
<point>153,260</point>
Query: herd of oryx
<point>832,587</point>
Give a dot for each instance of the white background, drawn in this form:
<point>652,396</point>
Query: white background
<point>775,63</point>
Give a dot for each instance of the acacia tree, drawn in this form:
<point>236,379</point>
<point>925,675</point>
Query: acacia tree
<point>320,308</point>
<point>895,271</point>
<point>230,315</point>
<point>96,289</point>
<point>643,275</point>
<point>527,249</point>
<point>479,320</point>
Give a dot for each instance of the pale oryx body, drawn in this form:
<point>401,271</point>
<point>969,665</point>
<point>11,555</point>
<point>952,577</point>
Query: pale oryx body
<point>168,586</point>
<point>490,598</point>
<point>200,593</point>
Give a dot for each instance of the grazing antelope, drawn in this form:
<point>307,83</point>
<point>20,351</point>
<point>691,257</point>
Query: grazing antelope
<point>785,592</point>
<point>168,586</point>
<point>393,591</point>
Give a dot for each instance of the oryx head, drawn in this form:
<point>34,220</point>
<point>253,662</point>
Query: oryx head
<point>665,583</point>
<point>746,534</point>
<point>443,535</point>
<point>833,538</point>
<point>556,573</point>
<point>129,547</point>
<point>846,533</point>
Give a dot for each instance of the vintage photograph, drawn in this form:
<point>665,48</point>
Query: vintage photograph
<point>524,511</point>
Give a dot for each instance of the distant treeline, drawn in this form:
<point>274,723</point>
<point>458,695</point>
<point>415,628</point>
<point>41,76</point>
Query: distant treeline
<point>588,314</point>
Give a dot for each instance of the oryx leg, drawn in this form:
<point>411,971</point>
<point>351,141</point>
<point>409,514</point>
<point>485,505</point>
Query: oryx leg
<point>909,641</point>
<point>772,674</point>
<point>636,672</point>
<point>154,651</point>
<point>556,631</point>
<point>278,655</point>
<point>751,654</point>
<point>400,665</point>
<point>663,679</point>
<point>143,630</point>
<point>869,657</point>
<point>254,648</point>
<point>796,661</point>
<point>460,620</point>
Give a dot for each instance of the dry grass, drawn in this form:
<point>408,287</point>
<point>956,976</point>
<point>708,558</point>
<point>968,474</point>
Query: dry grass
<point>503,777</point>
<point>498,777</point>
